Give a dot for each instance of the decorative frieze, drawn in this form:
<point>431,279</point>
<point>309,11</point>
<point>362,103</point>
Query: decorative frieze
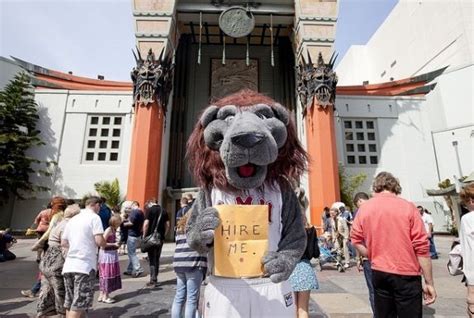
<point>152,14</point>
<point>151,35</point>
<point>154,6</point>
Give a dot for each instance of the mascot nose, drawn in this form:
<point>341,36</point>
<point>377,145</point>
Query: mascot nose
<point>247,140</point>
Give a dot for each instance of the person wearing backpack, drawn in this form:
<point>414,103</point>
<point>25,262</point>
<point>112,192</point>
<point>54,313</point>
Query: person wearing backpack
<point>303,279</point>
<point>466,236</point>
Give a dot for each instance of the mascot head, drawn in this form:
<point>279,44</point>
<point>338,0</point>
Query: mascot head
<point>244,140</point>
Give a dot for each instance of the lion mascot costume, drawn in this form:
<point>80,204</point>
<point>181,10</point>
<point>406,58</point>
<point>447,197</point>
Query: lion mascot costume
<point>244,150</point>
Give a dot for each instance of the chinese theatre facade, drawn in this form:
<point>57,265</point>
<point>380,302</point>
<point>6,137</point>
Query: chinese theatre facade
<point>192,52</point>
<point>189,53</point>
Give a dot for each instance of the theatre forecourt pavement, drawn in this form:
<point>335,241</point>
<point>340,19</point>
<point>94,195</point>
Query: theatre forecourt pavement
<point>340,294</point>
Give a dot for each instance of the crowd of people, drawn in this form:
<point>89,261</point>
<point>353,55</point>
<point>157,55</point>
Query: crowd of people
<point>392,242</point>
<point>78,243</point>
<point>388,238</point>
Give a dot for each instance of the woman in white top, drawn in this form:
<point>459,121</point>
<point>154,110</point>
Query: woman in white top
<point>467,244</point>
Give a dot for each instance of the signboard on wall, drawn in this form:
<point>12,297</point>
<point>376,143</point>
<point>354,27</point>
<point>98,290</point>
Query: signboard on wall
<point>232,76</point>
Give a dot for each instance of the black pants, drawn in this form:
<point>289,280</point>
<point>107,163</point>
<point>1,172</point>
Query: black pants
<point>397,295</point>
<point>154,261</point>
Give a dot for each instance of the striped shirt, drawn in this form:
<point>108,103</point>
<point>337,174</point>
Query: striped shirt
<point>186,259</point>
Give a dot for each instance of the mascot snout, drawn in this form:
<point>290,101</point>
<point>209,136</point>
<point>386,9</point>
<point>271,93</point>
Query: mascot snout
<point>247,140</point>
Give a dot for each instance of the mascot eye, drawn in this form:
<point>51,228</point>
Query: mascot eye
<point>228,119</point>
<point>216,144</point>
<point>262,116</point>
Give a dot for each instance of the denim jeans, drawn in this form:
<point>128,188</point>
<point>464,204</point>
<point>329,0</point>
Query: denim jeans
<point>187,290</point>
<point>352,250</point>
<point>368,279</point>
<point>433,252</point>
<point>133,261</point>
<point>36,287</point>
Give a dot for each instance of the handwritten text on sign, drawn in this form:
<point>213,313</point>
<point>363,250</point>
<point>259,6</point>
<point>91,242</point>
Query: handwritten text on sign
<point>241,240</point>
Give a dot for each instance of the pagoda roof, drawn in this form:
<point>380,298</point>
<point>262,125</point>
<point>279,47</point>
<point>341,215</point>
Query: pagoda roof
<point>46,78</point>
<point>49,79</point>
<point>416,85</point>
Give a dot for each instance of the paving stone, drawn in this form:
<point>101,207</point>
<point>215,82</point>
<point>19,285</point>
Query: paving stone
<point>336,303</point>
<point>328,287</point>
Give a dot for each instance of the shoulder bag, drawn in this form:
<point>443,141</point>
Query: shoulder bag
<point>153,240</point>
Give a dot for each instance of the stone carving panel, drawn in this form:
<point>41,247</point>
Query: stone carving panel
<point>233,76</point>
<point>319,30</point>
<point>153,5</point>
<point>153,26</point>
<point>318,8</point>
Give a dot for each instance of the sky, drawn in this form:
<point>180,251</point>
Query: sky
<point>92,37</point>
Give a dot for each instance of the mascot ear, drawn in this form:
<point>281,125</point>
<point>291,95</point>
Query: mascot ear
<point>209,115</point>
<point>281,113</point>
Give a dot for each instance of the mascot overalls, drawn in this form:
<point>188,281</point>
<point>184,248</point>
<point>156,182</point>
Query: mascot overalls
<point>244,150</point>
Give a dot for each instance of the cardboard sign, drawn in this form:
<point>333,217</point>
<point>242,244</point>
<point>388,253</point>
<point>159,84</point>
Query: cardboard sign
<point>241,240</point>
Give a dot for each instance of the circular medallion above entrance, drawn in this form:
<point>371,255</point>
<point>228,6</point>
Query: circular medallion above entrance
<point>237,22</point>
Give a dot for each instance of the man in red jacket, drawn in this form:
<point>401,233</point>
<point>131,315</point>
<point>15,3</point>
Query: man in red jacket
<point>389,231</point>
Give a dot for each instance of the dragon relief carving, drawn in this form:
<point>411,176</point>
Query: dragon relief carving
<point>316,82</point>
<point>152,79</point>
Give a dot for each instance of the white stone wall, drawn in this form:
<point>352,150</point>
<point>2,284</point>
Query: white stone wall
<point>405,146</point>
<point>452,99</point>
<point>63,118</point>
<point>417,37</point>
<point>455,151</point>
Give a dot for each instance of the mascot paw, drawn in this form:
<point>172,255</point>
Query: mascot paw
<point>278,266</point>
<point>201,236</point>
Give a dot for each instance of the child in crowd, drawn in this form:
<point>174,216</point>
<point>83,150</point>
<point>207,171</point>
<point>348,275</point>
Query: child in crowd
<point>190,268</point>
<point>123,234</point>
<point>109,267</point>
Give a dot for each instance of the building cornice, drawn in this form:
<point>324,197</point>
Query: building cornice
<point>151,35</point>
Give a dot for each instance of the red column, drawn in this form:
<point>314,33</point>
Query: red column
<point>323,166</point>
<point>145,157</point>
